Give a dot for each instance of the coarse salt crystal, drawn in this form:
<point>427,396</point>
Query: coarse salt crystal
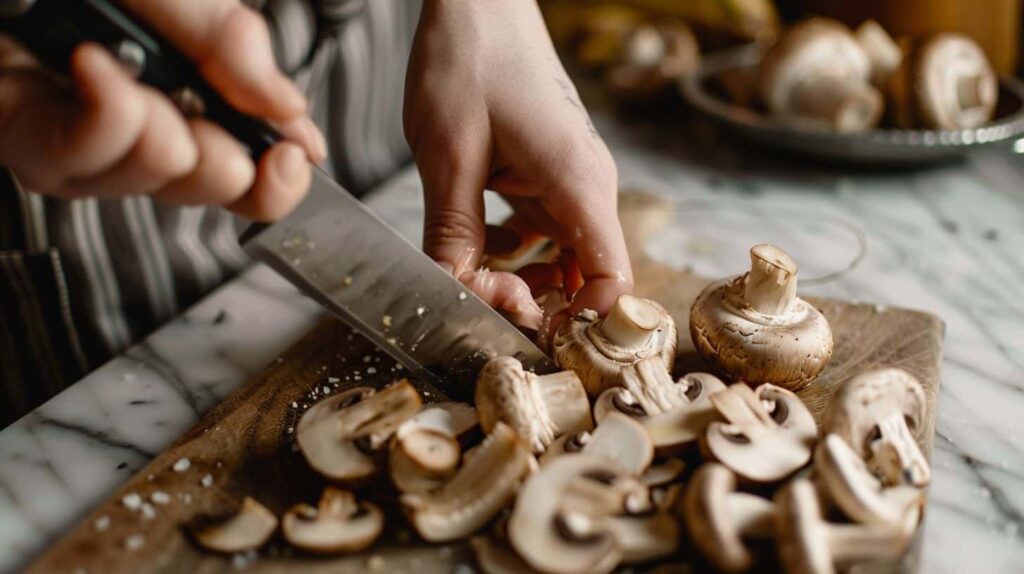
<point>420,311</point>
<point>462,295</point>
<point>134,542</point>
<point>386,320</point>
<point>102,523</point>
<point>371,371</point>
<point>333,380</point>
<point>182,465</point>
<point>207,481</point>
<point>131,501</point>
<point>347,280</point>
<point>148,512</point>
<point>295,405</point>
<point>160,497</point>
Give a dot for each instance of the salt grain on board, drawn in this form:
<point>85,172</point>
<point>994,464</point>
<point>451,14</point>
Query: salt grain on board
<point>160,497</point>
<point>131,501</point>
<point>182,465</point>
<point>134,542</point>
<point>102,523</point>
<point>207,481</point>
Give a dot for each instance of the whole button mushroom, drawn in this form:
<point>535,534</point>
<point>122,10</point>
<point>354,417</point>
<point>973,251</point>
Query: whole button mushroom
<point>818,75</point>
<point>719,518</point>
<point>880,414</point>
<point>883,52</point>
<point>754,328</point>
<point>946,83</point>
<point>766,436</point>
<point>810,545</point>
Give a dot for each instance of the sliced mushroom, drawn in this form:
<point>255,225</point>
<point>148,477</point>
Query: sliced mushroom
<point>852,487</point>
<point>618,438</point>
<point>537,407</point>
<point>754,328</point>
<point>947,83</point>
<point>559,523</point>
<point>341,436</point>
<point>719,518</point>
<point>645,536</point>
<point>425,449</point>
<point>337,525</point>
<point>247,529</point>
<point>663,473</point>
<point>497,557</point>
<point>768,435</point>
<point>478,491</point>
<point>603,351</point>
<point>810,545</point>
<point>880,414</point>
<point>883,52</point>
<point>817,75</point>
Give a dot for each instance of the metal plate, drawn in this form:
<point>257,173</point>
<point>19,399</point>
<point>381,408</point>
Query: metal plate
<point>891,147</point>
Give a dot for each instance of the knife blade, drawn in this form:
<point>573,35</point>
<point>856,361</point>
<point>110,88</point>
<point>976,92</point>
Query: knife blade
<point>341,254</point>
<point>332,247</point>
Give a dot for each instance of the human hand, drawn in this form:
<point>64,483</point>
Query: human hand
<point>488,105</point>
<point>106,135</point>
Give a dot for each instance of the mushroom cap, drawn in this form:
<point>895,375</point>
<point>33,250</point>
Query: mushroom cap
<point>869,397</point>
<point>484,484</point>
<point>599,350</point>
<point>248,529</point>
<point>340,524</point>
<point>495,557</point>
<point>450,417</point>
<point>562,534</point>
<point>953,83</point>
<point>852,487</point>
<point>769,434</point>
<point>712,528</point>
<point>801,532</point>
<point>741,344</point>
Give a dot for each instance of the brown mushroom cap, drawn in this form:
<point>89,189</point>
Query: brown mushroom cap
<point>768,435</point>
<point>953,83</point>
<point>881,414</point>
<point>248,529</point>
<point>339,524</point>
<point>754,328</point>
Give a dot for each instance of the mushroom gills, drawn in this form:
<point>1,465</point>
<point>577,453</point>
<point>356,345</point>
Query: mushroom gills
<point>339,524</point>
<point>247,529</point>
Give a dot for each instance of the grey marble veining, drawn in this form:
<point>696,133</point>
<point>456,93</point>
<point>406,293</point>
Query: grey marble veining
<point>944,240</point>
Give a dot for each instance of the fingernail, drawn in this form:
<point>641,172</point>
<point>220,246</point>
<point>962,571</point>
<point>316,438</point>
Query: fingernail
<point>290,163</point>
<point>317,141</point>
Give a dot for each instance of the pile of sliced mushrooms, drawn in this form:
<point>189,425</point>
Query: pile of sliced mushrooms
<point>614,461</point>
<point>823,74</point>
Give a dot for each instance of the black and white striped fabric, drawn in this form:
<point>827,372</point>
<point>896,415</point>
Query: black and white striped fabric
<point>82,280</point>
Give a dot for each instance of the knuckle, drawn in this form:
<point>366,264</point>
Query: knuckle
<point>446,226</point>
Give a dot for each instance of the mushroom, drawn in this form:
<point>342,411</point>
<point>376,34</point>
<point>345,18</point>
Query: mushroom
<point>481,488</point>
<point>754,328</point>
<point>340,436</point>
<point>652,58</point>
<point>852,487</point>
<point>338,524</point>
<point>247,529</point>
<point>883,52</point>
<point>946,83</point>
<point>817,75</point>
<point>618,438</point>
<point>496,557</point>
<point>425,449</point>
<point>769,434</point>
<point>559,523</point>
<point>537,407</point>
<point>645,536</point>
<point>810,545</point>
<point>613,352</point>
<point>719,518</point>
<point>880,413</point>
<point>663,473</point>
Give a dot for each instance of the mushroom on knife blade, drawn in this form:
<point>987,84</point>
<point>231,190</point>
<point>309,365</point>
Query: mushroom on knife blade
<point>754,328</point>
<point>768,434</point>
<point>338,524</point>
<point>881,414</point>
<point>342,436</point>
<point>537,407</point>
<point>247,529</point>
<point>720,518</point>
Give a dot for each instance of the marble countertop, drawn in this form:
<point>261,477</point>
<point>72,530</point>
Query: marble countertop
<point>945,240</point>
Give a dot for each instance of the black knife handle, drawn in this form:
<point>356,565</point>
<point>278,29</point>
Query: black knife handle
<point>51,29</point>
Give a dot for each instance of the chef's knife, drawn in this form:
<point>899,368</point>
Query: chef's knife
<point>332,247</point>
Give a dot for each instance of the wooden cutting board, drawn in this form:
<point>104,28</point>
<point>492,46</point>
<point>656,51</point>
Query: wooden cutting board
<point>245,445</point>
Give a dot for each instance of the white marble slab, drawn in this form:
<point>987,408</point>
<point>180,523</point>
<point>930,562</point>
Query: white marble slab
<point>946,241</point>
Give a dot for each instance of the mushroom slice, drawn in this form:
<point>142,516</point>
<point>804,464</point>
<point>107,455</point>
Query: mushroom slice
<point>719,518</point>
<point>481,488</point>
<point>768,435</point>
<point>645,536</point>
<point>618,438</point>
<point>809,544</point>
<point>663,473</point>
<point>604,352</point>
<point>340,436</point>
<point>817,75</point>
<point>754,328</point>
<point>339,524</point>
<point>852,487</point>
<point>248,529</point>
<point>880,414</point>
<point>425,449</point>
<point>495,557</point>
<point>679,429</point>
<point>539,408</point>
<point>559,522</point>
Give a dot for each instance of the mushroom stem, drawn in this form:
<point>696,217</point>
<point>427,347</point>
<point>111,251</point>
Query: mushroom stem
<point>631,322</point>
<point>751,514</point>
<point>851,542</point>
<point>770,287</point>
<point>740,406</point>
<point>896,454</point>
<point>974,90</point>
<point>565,400</point>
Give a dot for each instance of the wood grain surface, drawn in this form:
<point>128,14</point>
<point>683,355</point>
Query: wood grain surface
<point>245,445</point>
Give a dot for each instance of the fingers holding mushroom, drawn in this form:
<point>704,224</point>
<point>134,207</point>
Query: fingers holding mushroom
<point>339,524</point>
<point>754,328</point>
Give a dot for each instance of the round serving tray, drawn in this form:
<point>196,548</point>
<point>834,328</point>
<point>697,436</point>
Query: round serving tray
<point>877,146</point>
